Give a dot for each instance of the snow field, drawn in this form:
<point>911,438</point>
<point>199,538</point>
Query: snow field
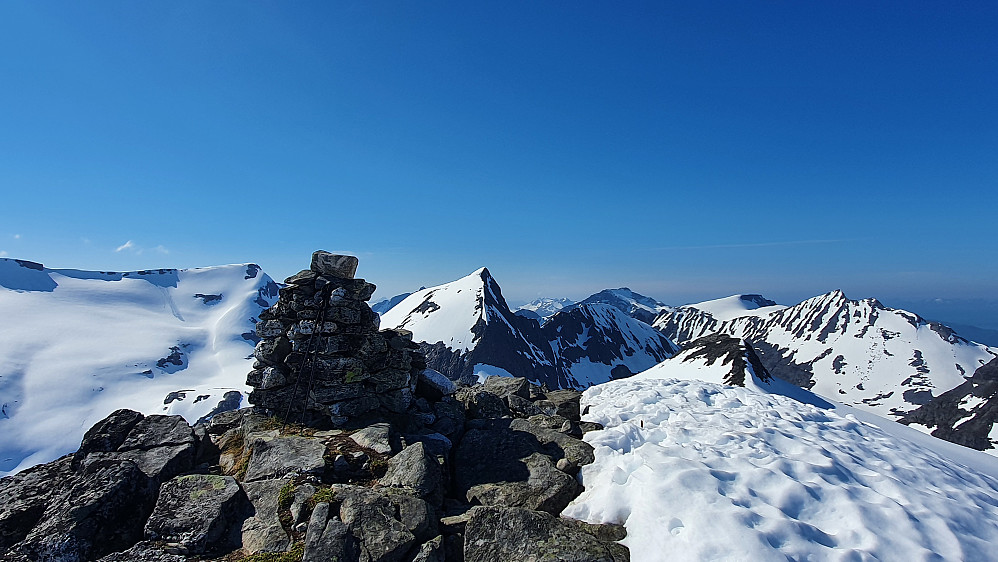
<point>92,344</point>
<point>702,471</point>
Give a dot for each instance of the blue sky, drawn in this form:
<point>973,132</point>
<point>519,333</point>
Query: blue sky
<point>687,150</point>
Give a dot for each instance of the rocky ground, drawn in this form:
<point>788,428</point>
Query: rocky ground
<point>482,475</point>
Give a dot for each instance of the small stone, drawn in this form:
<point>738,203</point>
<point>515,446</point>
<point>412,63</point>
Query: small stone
<point>567,466</point>
<point>334,265</point>
<point>377,437</point>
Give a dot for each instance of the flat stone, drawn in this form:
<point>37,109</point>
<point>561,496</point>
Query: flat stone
<point>334,265</point>
<point>377,437</point>
<point>282,456</point>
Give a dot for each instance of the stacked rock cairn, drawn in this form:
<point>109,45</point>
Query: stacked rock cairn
<point>322,359</point>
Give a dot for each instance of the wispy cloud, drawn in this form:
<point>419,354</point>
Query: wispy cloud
<point>126,246</point>
<point>162,249</point>
<point>3,253</point>
<point>17,237</point>
<point>757,244</point>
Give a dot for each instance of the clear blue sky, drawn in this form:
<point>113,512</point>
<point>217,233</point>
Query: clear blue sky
<point>687,150</point>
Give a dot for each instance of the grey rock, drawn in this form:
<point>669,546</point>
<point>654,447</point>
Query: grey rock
<point>431,551</point>
<point>328,538</point>
<point>97,513</point>
<point>507,386</point>
<point>512,463</point>
<point>334,265</point>
<point>226,421</point>
<point>434,385</point>
<point>160,463</point>
<point>25,497</point>
<point>416,470</point>
<point>436,444</point>
<point>545,489</point>
<point>575,450</point>
<point>522,407</point>
<point>281,456</point>
<point>480,404</point>
<point>378,437</point>
<point>108,434</point>
<point>147,552</point>
<point>372,518</point>
<point>158,431</point>
<point>499,533</point>
<point>299,505</point>
<point>566,401</point>
<point>263,531</point>
<point>200,512</point>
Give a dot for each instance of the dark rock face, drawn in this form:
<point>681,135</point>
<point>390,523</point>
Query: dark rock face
<point>728,350</point>
<point>503,533</point>
<point>96,501</point>
<point>968,427</point>
<point>321,359</point>
<point>97,512</point>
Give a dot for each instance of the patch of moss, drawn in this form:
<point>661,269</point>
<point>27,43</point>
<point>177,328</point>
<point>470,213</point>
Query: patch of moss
<point>323,495</point>
<point>352,376</point>
<point>286,496</point>
<point>294,555</point>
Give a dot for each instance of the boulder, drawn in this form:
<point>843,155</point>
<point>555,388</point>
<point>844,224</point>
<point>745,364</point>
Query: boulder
<point>566,401</point>
<point>505,533</point>
<point>108,434</point>
<point>201,512</point>
<point>431,551</point>
<point>282,456</point>
<point>434,385</point>
<point>513,463</point>
<point>387,524</point>
<point>417,471</point>
<point>378,437</point>
<point>545,489</point>
<point>507,386</point>
<point>334,265</point>
<point>328,538</point>
<point>25,497</point>
<point>94,514</point>
<point>263,531</point>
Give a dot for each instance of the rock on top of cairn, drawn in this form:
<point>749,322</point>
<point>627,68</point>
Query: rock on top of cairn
<point>334,265</point>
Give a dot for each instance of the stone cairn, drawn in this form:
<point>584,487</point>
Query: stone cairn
<point>321,359</point>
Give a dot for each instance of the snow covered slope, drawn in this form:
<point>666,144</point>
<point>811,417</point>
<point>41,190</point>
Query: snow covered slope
<point>861,353</point>
<point>545,307</point>
<point>594,343</point>
<point>384,305</point>
<point>700,471</point>
<point>466,327</point>
<point>633,304</point>
<point>77,345</point>
<point>728,308</point>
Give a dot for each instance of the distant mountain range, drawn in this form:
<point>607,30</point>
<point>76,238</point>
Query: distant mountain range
<point>467,329</point>
<point>75,345</point>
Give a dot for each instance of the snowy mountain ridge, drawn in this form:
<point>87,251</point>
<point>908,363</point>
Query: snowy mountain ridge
<point>859,352</point>
<point>580,345</point>
<point>636,305</point>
